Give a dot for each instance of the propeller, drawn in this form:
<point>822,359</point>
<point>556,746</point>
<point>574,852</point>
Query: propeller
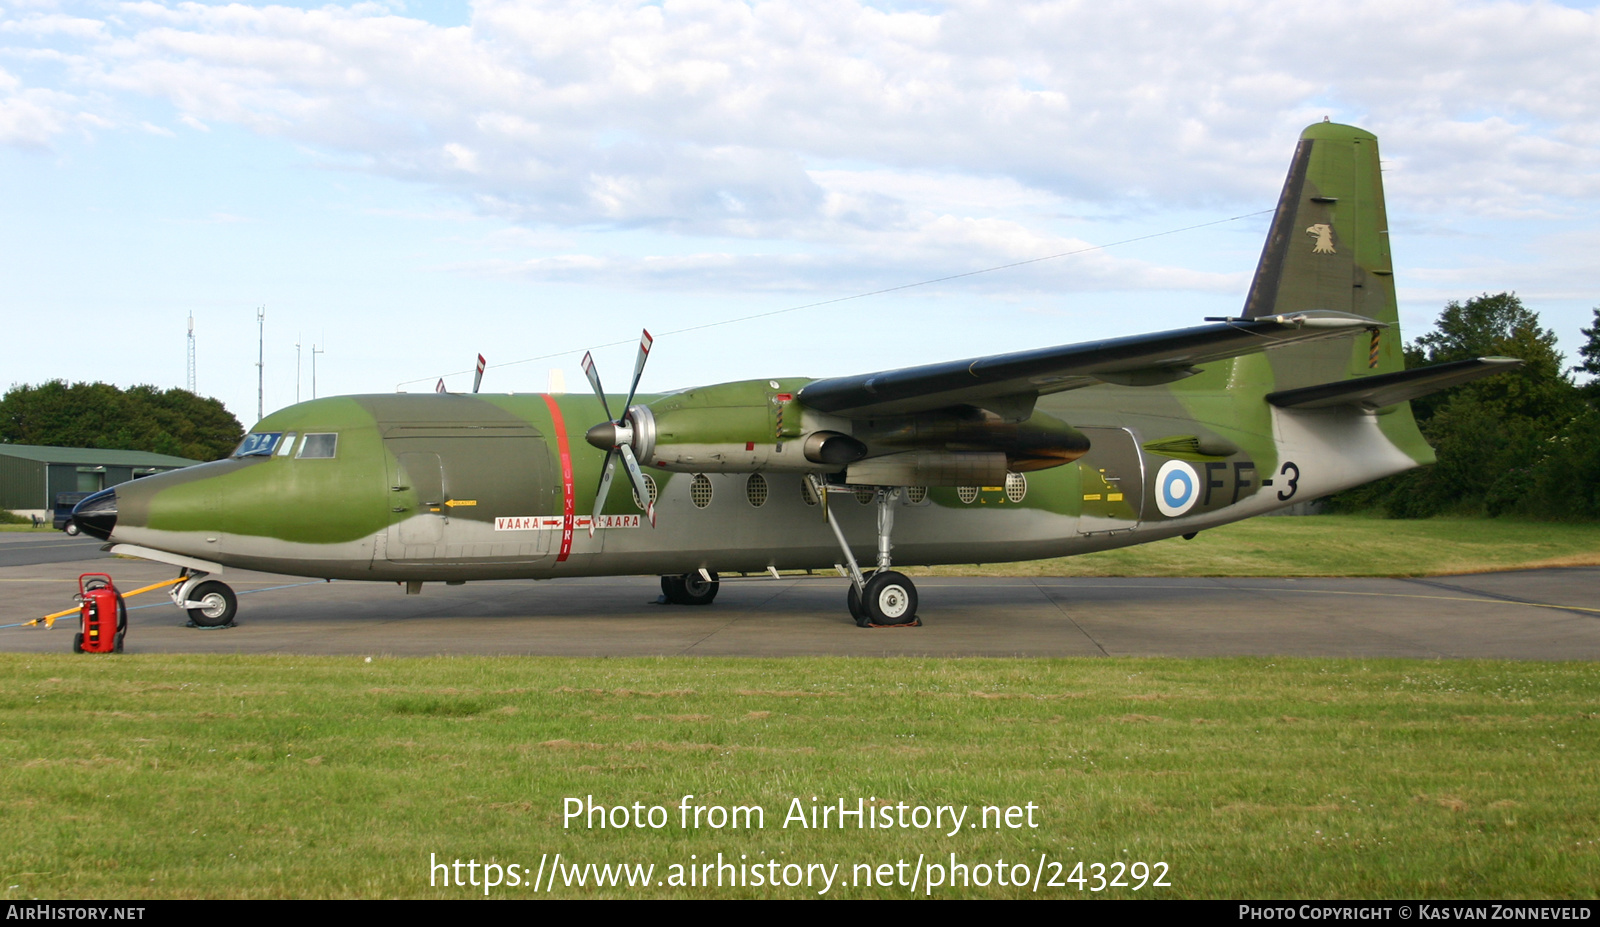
<point>477,379</point>
<point>615,435</point>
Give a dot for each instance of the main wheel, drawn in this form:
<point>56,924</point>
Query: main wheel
<point>853,600</point>
<point>218,605</point>
<point>890,598</point>
<point>697,590</point>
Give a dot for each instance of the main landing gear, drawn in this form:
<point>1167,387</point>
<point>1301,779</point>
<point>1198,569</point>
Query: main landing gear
<point>885,599</point>
<point>210,604</point>
<point>697,588</point>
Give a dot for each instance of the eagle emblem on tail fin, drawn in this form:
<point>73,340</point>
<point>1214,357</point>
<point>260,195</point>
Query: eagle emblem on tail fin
<point>1324,233</point>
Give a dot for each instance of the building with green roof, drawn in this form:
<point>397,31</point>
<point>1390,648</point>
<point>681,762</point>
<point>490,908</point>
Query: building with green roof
<point>31,475</point>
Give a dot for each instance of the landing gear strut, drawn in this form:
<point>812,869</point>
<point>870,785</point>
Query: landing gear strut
<point>886,598</point>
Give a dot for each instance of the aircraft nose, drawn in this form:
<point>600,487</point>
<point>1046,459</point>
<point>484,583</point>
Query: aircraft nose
<point>96,515</point>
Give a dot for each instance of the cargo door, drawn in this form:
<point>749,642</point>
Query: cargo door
<point>1112,477</point>
<point>422,474</point>
<point>481,493</point>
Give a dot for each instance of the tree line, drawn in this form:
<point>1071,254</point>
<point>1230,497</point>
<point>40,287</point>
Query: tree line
<point>1525,442</point>
<point>99,415</point>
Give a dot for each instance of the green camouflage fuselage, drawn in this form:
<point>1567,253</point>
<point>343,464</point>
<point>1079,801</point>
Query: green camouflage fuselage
<point>468,487</point>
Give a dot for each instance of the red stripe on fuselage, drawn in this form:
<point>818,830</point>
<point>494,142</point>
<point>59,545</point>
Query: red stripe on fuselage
<point>568,505</point>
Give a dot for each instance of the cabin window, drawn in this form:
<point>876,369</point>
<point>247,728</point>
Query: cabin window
<point>319,446</point>
<point>700,491</point>
<point>258,444</point>
<point>1016,487</point>
<point>755,490</point>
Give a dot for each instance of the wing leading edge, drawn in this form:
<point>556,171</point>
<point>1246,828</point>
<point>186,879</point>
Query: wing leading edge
<point>1005,381</point>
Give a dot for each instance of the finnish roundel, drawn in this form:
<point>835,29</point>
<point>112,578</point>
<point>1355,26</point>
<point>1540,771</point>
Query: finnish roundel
<point>1177,486</point>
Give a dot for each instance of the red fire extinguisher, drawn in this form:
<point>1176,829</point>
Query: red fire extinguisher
<point>103,614</point>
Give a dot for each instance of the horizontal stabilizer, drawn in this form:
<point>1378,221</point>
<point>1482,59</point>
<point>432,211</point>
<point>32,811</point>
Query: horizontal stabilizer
<point>1139,360</point>
<point>1387,389</point>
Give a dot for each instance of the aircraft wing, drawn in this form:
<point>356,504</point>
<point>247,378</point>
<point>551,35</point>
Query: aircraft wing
<point>1003,380</point>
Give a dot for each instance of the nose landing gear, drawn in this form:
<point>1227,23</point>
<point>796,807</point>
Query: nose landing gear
<point>210,604</point>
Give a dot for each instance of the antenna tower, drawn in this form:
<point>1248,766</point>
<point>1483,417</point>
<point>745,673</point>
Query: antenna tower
<point>191,352</point>
<point>314,352</point>
<point>261,363</point>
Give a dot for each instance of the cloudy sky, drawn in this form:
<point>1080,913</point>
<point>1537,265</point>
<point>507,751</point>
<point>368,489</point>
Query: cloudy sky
<point>404,184</point>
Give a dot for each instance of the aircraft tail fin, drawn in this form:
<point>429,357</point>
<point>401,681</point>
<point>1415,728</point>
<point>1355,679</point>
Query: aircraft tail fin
<point>1328,248</point>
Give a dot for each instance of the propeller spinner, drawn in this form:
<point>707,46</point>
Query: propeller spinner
<point>615,436</point>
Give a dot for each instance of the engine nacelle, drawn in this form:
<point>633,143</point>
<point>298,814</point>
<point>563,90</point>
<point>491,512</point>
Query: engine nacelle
<point>734,428</point>
<point>758,425</point>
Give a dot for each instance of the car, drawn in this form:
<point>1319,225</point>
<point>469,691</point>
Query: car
<point>65,501</point>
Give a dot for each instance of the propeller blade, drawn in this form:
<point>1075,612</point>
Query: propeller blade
<point>477,380</point>
<point>636,476</point>
<point>645,341</point>
<point>605,487</point>
<point>594,381</point>
<point>440,387</point>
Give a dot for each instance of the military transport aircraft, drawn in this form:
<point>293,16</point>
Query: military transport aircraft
<point>1041,453</point>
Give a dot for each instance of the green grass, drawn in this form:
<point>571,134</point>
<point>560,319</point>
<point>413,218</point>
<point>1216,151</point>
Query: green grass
<point>1329,545</point>
<point>188,776</point>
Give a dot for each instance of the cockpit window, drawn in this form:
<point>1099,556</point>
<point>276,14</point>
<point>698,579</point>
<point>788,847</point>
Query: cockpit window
<point>258,444</point>
<point>319,445</point>
<point>286,445</point>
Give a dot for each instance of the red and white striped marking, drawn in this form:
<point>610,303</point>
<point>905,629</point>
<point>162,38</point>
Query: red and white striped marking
<point>554,522</point>
<point>568,504</point>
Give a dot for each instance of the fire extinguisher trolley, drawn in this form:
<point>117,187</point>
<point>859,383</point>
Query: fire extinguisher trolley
<point>103,614</point>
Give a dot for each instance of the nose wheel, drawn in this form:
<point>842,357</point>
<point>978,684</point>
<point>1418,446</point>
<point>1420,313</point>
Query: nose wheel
<point>210,604</point>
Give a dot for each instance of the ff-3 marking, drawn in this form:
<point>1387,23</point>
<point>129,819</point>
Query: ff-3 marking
<point>1288,468</point>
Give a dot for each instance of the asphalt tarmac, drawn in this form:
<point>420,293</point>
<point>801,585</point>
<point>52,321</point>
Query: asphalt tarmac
<point>1523,615</point>
<point>28,547</point>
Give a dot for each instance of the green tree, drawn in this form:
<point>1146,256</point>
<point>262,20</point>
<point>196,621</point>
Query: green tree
<point>1494,437</point>
<point>143,418</point>
<point>1498,325</point>
<point>1590,352</point>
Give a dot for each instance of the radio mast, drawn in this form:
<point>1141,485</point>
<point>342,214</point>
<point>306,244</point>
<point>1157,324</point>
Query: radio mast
<point>191,352</point>
<point>261,363</point>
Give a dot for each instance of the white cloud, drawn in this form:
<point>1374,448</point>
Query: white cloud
<point>31,117</point>
<point>944,136</point>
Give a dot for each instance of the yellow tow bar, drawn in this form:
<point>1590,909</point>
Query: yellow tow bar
<point>50,620</point>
